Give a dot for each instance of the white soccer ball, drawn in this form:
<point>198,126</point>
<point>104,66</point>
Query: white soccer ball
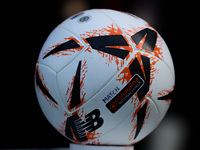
<point>104,77</point>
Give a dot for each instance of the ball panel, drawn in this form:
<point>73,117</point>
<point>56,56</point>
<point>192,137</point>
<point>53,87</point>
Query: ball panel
<point>59,45</point>
<point>49,100</point>
<point>162,83</point>
<point>94,74</point>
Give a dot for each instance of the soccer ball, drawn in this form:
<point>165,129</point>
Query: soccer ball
<point>104,77</point>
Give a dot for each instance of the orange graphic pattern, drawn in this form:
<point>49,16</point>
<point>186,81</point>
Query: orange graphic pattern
<point>51,103</point>
<point>109,30</point>
<point>64,52</point>
<point>84,70</point>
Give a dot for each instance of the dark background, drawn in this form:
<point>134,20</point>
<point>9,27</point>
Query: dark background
<point>27,25</point>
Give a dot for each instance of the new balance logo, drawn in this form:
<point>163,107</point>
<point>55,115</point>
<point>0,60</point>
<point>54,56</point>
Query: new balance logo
<point>77,127</point>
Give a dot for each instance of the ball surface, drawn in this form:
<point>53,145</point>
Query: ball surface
<point>104,77</point>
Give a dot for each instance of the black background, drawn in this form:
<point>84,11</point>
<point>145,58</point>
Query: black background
<point>26,26</point>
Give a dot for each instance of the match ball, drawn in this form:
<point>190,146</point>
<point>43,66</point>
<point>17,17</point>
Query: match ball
<point>104,77</point>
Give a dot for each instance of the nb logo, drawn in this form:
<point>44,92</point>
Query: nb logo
<point>79,127</point>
